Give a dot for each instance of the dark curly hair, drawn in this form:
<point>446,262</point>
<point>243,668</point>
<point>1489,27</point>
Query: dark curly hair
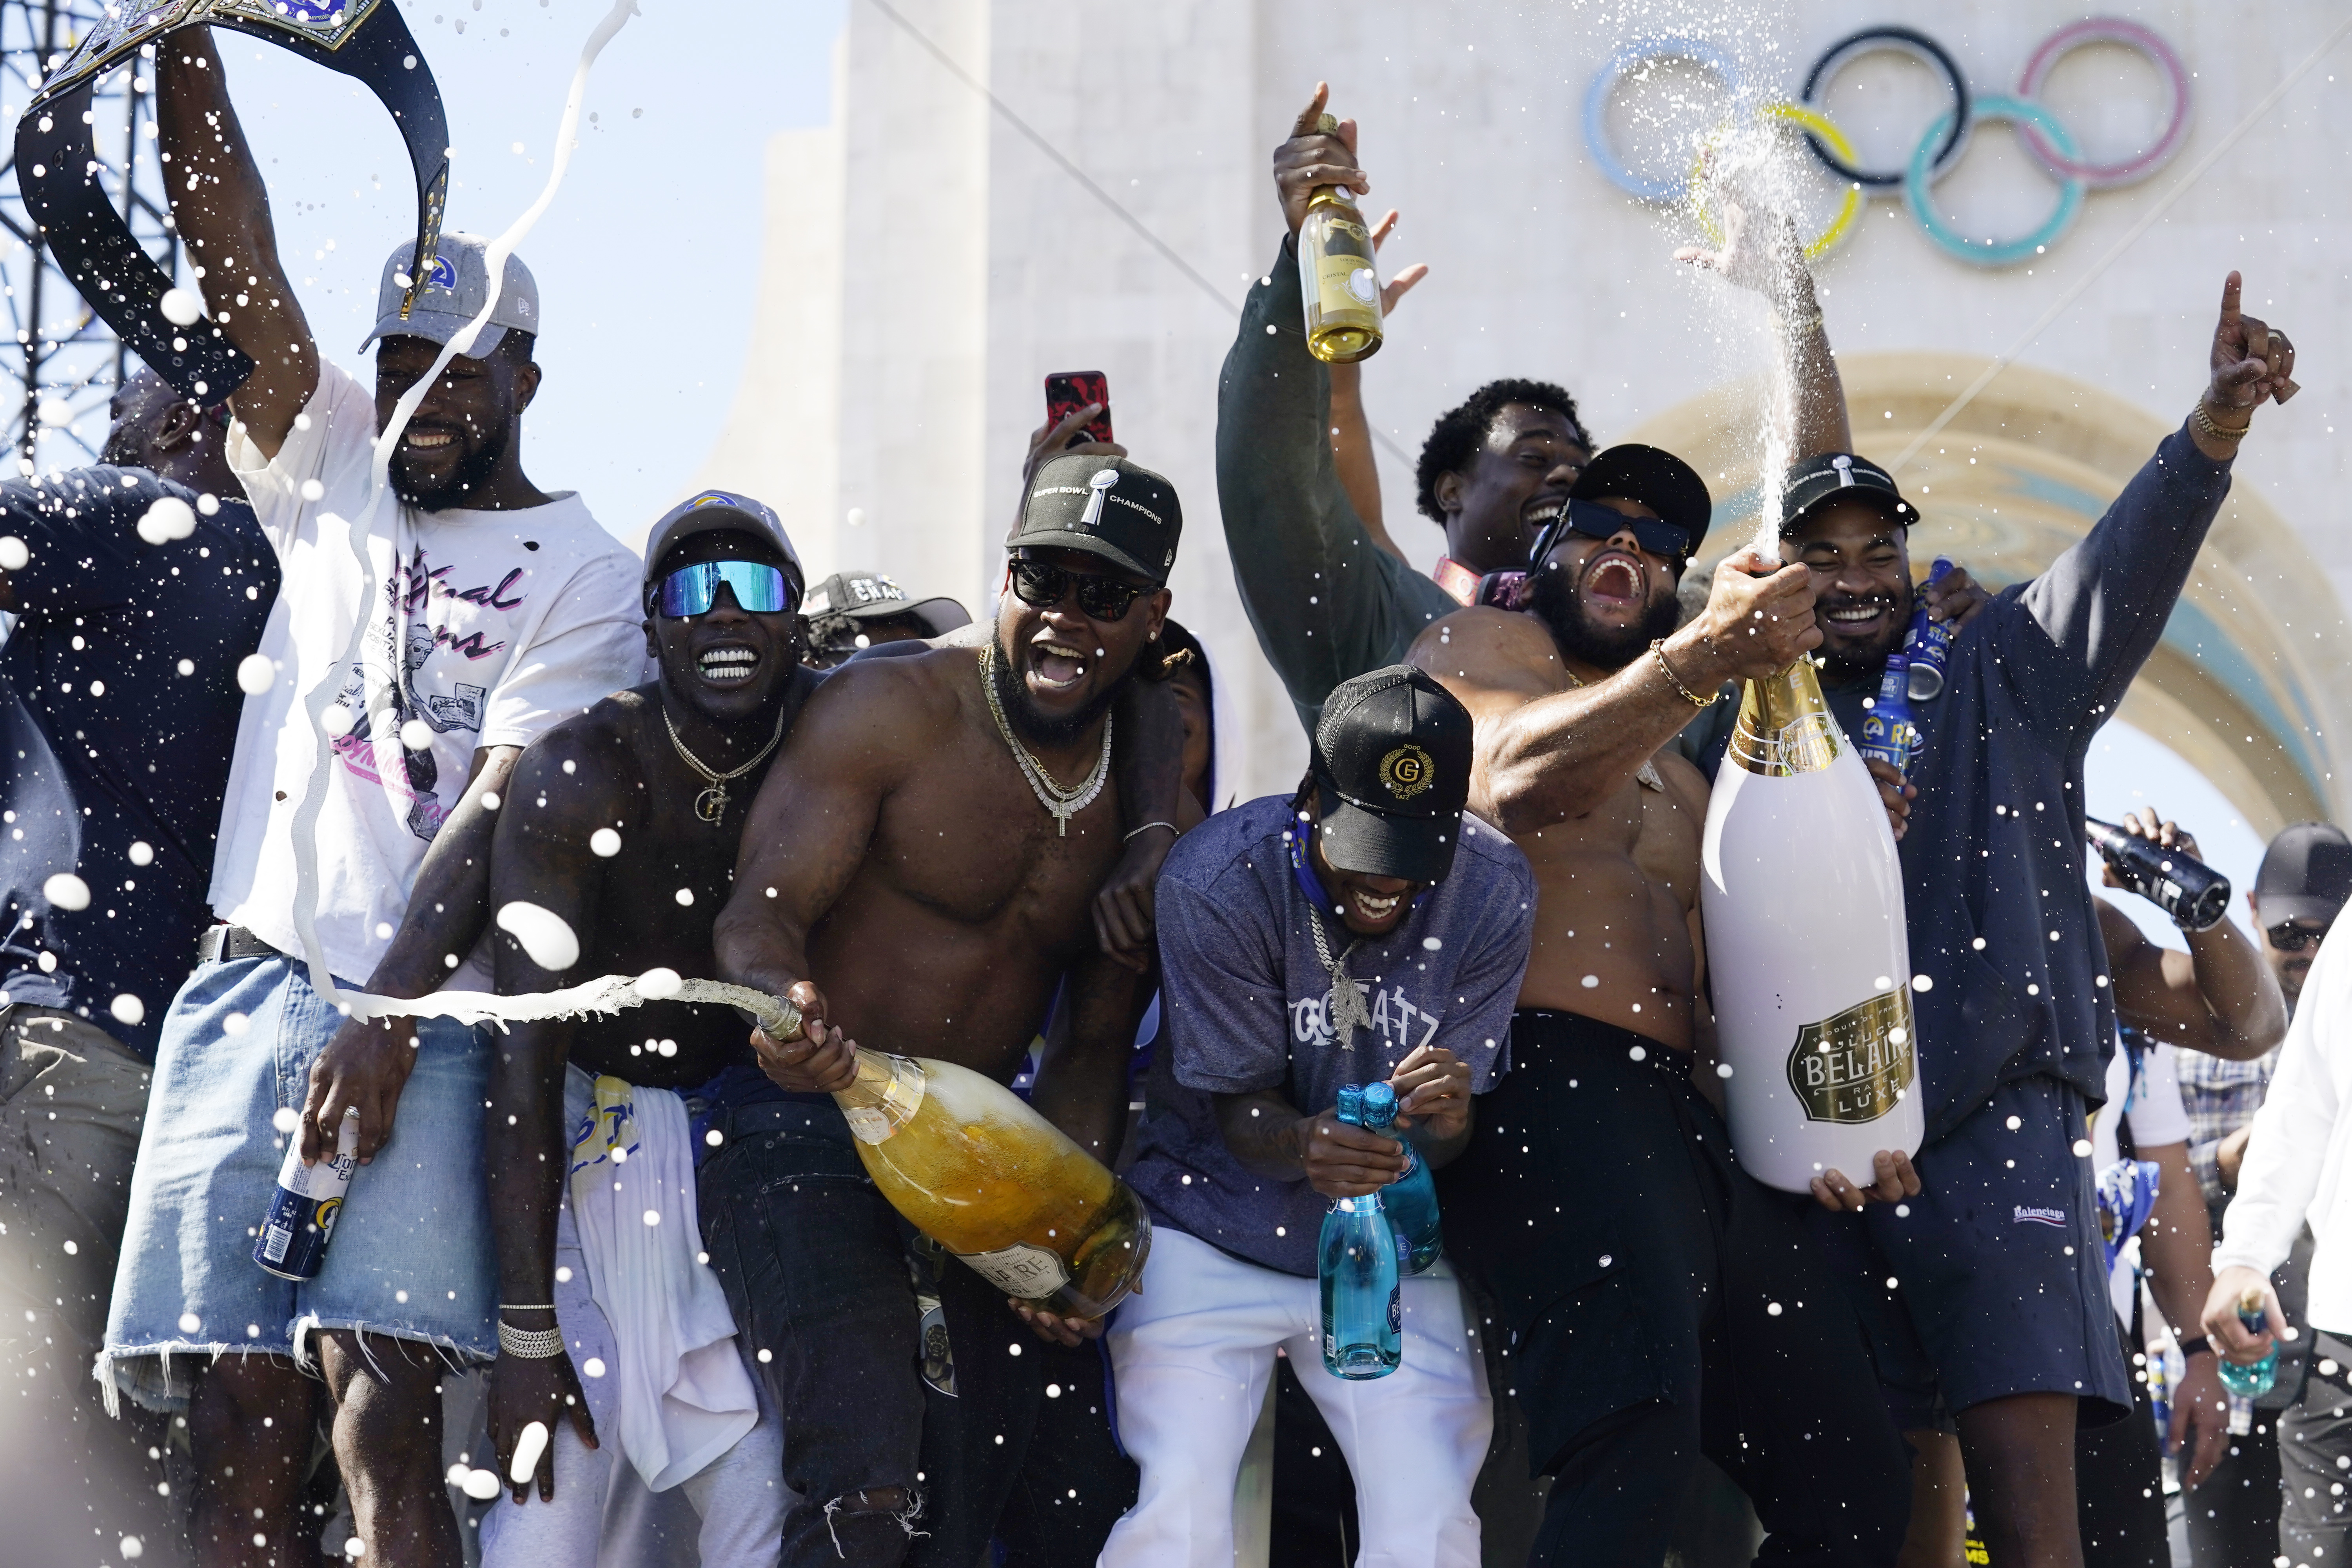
<point>1461,431</point>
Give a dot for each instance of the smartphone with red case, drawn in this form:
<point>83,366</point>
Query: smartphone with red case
<point>1067,391</point>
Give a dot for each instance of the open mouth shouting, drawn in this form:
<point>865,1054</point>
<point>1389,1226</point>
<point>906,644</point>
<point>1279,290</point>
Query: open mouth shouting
<point>1613,579</point>
<point>728,664</point>
<point>1055,663</point>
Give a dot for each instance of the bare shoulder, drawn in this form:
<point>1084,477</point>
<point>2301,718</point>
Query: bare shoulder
<point>597,743</point>
<point>886,707</point>
<point>1487,652</point>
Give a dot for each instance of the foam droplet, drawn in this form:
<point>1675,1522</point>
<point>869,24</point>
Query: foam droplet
<point>337,720</point>
<point>190,1324</point>
<point>13,554</point>
<point>655,984</point>
<point>549,942</point>
<point>56,411</point>
<point>168,519</point>
<point>141,853</point>
<point>181,307</point>
<point>127,1009</point>
<point>66,891</point>
<point>685,898</point>
<point>593,1366</point>
<point>416,734</point>
<point>256,674</point>
<point>285,1120</point>
<point>132,1548</point>
<point>604,842</point>
<point>480,1485</point>
<point>532,1443</point>
<point>653,1216</point>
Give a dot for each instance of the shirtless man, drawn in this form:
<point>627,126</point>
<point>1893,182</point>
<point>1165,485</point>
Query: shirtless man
<point>905,881</point>
<point>1658,1300</point>
<point>619,829</point>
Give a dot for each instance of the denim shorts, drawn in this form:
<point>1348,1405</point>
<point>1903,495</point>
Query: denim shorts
<point>411,1255</point>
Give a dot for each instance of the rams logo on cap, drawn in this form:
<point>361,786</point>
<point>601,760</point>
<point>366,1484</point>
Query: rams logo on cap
<point>714,498</point>
<point>444,275</point>
<point>1407,770</point>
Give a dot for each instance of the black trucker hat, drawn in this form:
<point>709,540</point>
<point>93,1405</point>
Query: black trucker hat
<point>858,596</point>
<point>1816,481</point>
<point>1391,775</point>
<point>1104,506</point>
<point>2306,874</point>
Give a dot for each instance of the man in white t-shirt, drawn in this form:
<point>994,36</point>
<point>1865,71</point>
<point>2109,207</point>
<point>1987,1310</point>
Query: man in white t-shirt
<point>487,611</point>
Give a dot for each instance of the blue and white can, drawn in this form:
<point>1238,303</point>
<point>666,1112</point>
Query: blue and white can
<point>301,1217</point>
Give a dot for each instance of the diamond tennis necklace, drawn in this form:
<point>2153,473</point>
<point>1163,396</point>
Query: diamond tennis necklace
<point>1063,802</point>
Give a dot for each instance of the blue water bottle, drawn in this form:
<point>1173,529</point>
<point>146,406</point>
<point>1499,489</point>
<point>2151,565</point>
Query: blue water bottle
<point>1363,1320</point>
<point>1411,1198</point>
<point>1929,644</point>
<point>1887,733</point>
<point>2249,1381</point>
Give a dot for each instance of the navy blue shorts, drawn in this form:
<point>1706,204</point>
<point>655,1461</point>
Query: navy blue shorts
<point>1993,1281</point>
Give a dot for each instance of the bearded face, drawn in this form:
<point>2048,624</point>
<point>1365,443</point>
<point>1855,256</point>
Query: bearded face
<point>1604,602</point>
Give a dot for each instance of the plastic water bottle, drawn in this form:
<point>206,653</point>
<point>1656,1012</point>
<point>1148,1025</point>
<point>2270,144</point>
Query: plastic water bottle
<point>1363,1317</point>
<point>1411,1198</point>
<point>1929,644</point>
<point>1887,733</point>
<point>2249,1381</point>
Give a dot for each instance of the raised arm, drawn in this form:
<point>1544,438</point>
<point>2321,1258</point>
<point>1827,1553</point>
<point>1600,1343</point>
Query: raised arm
<point>2106,601</point>
<point>2219,997</point>
<point>1352,427</point>
<point>540,857</point>
<point>1543,754</point>
<point>1761,252</point>
<point>221,207</point>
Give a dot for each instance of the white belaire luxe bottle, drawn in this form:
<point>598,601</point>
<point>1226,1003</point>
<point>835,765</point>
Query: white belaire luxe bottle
<point>1807,954</point>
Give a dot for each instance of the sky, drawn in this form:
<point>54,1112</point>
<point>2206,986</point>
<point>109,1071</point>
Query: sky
<point>647,260</point>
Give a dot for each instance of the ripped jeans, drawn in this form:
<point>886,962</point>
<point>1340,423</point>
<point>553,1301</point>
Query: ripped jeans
<point>816,1268</point>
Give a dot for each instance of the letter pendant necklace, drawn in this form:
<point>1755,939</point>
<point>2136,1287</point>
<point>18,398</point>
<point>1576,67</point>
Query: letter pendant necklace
<point>711,804</point>
<point>1344,1009</point>
<point>1060,801</point>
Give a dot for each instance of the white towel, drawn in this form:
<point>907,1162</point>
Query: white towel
<point>684,1398</point>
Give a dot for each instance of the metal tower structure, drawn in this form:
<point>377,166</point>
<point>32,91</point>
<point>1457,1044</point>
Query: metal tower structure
<point>60,362</point>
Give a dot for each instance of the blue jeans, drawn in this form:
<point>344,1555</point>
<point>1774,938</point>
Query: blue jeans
<point>412,1255</point>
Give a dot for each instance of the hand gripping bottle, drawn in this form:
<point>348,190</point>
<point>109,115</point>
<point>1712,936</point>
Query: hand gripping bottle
<point>1337,276</point>
<point>1411,1198</point>
<point>1363,1318</point>
<point>2249,1381</point>
<point>301,1218</point>
<point>1929,644</point>
<point>1887,733</point>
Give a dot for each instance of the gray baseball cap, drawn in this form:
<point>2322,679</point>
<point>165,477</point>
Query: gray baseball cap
<point>712,511</point>
<point>453,293</point>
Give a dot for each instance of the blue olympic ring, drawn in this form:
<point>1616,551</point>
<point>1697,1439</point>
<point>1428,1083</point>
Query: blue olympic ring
<point>1919,177</point>
<point>1638,52</point>
<point>1946,139</point>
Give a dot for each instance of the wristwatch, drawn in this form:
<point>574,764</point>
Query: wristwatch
<point>57,165</point>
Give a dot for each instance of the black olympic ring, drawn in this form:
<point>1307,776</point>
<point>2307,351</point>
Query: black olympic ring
<point>1899,40</point>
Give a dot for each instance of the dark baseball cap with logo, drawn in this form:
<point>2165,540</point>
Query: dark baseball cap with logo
<point>714,511</point>
<point>1107,507</point>
<point>1815,483</point>
<point>872,596</point>
<point>2305,875</point>
<point>1391,770</point>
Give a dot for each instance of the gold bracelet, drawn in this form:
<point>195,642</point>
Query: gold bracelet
<point>2204,422</point>
<point>1658,652</point>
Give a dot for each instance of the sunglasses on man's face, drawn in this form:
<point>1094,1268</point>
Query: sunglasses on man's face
<point>758,589</point>
<point>2289,937</point>
<point>1668,540</point>
<point>1041,587</point>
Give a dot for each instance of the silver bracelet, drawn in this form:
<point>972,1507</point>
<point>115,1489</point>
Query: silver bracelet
<point>530,1344</point>
<point>1150,826</point>
<point>526,1305</point>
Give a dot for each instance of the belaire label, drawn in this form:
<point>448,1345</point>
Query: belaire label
<point>1855,1067</point>
<point>1032,1273</point>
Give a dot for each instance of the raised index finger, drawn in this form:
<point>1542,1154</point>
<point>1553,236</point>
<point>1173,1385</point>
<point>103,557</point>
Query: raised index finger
<point>2230,289</point>
<point>1311,116</point>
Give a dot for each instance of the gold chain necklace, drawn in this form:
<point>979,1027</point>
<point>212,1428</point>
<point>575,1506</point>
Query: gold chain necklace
<point>1063,802</point>
<point>711,804</point>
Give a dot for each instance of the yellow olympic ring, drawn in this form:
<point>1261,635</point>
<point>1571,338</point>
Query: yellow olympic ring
<point>1805,119</point>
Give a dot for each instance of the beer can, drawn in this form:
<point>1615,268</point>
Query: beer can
<point>301,1217</point>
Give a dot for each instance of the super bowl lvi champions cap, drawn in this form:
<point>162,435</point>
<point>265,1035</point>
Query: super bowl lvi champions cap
<point>453,293</point>
<point>1814,482</point>
<point>1107,507</point>
<point>1393,774</point>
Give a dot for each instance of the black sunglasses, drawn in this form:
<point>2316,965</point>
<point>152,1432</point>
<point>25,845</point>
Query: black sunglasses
<point>1591,518</point>
<point>1041,587</point>
<point>2288,937</point>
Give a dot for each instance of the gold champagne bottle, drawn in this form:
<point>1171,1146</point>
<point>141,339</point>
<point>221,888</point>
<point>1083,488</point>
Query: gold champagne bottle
<point>1337,277</point>
<point>973,1167</point>
<point>1806,946</point>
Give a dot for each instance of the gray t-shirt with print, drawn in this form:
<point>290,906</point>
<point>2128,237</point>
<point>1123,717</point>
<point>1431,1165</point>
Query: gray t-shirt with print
<point>1242,997</point>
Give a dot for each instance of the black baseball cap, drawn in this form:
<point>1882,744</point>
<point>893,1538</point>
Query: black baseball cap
<point>1816,481</point>
<point>2306,874</point>
<point>1655,478</point>
<point>860,595</point>
<point>1391,770</point>
<point>1104,506</point>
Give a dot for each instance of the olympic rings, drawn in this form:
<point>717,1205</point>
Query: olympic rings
<point>1631,54</point>
<point>1946,138</point>
<point>1813,123</point>
<point>1888,40</point>
<point>1920,176</point>
<point>2131,36</point>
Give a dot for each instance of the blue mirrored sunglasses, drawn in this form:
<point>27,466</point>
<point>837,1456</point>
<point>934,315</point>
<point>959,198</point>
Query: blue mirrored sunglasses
<point>758,590</point>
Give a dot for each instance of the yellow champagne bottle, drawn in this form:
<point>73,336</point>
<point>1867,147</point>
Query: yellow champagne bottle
<point>1807,953</point>
<point>1336,274</point>
<point>970,1164</point>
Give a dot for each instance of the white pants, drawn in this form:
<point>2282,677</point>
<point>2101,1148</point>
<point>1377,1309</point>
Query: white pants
<point>1194,1353</point>
<point>601,1516</point>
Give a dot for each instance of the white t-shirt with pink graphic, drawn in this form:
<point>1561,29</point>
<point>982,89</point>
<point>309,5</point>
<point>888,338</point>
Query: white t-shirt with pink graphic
<point>484,628</point>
